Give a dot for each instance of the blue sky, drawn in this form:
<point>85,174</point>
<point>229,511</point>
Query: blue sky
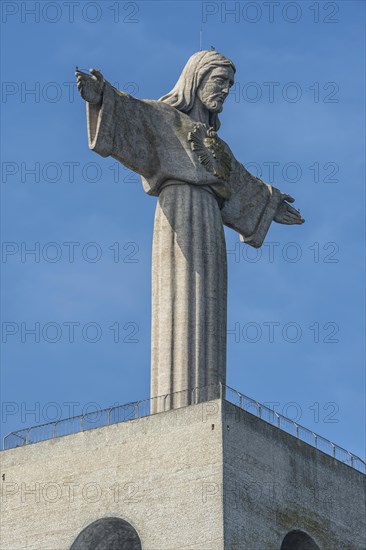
<point>295,116</point>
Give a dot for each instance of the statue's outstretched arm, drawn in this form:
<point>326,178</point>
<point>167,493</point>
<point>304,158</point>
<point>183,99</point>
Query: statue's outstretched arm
<point>253,206</point>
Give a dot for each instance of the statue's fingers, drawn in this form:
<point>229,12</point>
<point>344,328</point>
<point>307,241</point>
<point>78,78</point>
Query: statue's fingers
<point>292,222</point>
<point>293,217</point>
<point>300,218</point>
<point>295,220</point>
<point>292,210</point>
<point>292,213</point>
<point>98,75</point>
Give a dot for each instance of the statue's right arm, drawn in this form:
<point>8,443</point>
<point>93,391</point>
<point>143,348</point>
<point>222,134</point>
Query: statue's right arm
<point>90,86</point>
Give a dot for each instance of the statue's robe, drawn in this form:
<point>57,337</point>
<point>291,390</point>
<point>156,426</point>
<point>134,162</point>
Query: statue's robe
<point>198,193</point>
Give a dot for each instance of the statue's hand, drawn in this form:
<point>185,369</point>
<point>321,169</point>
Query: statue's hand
<point>286,213</point>
<point>90,86</point>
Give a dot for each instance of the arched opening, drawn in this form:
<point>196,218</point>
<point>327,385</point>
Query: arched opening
<point>108,534</point>
<point>298,540</point>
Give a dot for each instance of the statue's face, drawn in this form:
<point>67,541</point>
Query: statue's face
<point>215,87</point>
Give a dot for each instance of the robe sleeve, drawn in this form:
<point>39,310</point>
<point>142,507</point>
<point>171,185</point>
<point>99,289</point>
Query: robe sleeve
<point>251,207</point>
<point>122,127</point>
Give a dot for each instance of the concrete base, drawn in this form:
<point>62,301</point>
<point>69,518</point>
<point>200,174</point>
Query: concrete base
<point>204,477</point>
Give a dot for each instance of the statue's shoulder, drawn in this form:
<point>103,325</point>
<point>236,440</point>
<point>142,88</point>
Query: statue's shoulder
<point>166,110</point>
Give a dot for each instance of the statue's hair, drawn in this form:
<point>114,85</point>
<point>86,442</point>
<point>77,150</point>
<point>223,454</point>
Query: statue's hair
<point>183,95</point>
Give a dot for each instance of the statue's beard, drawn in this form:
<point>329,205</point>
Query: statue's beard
<point>216,106</point>
<point>213,104</point>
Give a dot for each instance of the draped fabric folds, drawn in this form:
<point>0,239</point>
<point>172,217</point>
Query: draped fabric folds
<point>189,295</point>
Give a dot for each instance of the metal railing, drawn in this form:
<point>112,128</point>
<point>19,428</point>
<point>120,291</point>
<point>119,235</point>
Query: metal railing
<point>293,428</point>
<point>148,407</point>
<point>109,416</point>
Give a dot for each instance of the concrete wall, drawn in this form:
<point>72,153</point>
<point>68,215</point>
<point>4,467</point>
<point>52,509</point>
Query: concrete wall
<point>196,478</point>
<point>152,472</point>
<point>274,483</point>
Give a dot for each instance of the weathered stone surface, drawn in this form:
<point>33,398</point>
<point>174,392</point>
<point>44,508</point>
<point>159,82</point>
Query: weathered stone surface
<point>196,478</point>
<point>274,484</point>
<point>148,472</point>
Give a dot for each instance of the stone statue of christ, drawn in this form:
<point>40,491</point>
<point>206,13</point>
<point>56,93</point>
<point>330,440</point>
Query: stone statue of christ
<point>173,144</point>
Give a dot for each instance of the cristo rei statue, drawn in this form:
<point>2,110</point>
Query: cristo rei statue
<point>173,144</point>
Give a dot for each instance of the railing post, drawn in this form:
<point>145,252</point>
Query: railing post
<point>27,436</point>
<point>81,423</point>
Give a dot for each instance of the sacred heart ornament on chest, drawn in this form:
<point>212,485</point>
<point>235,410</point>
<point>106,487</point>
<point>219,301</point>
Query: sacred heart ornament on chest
<point>210,150</point>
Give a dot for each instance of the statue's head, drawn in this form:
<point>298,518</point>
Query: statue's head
<point>207,77</point>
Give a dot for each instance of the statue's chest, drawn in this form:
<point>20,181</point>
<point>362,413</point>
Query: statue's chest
<point>210,151</point>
